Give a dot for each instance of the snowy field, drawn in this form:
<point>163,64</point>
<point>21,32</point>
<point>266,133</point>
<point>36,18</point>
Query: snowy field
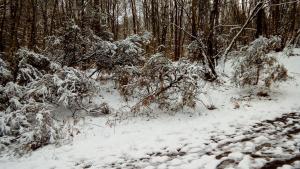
<point>245,131</point>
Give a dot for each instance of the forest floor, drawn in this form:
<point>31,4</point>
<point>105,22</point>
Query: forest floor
<point>246,131</point>
<point>268,144</point>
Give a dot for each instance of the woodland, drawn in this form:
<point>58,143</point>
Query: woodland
<point>57,56</point>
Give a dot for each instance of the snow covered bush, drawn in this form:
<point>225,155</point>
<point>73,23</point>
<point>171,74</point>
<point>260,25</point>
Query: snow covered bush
<point>170,85</point>
<point>108,55</point>
<point>257,66</point>
<point>26,114</point>
<point>5,73</point>
<point>9,91</point>
<point>29,104</point>
<point>68,87</point>
<point>104,55</point>
<point>130,50</point>
<point>81,47</point>
<point>31,66</point>
<point>72,45</point>
<point>26,126</point>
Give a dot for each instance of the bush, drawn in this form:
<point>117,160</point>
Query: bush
<point>27,126</point>
<point>104,55</point>
<point>28,105</point>
<point>81,47</point>
<point>257,67</point>
<point>9,91</point>
<point>25,123</point>
<point>129,51</point>
<point>68,87</point>
<point>5,73</point>
<point>170,85</point>
<point>31,66</point>
<point>72,45</point>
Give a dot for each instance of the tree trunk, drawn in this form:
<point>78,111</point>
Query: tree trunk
<point>260,22</point>
<point>33,33</point>
<point>176,33</point>
<point>194,20</point>
<point>3,18</point>
<point>134,16</point>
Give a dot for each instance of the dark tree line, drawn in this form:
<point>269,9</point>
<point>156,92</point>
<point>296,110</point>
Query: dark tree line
<point>173,23</point>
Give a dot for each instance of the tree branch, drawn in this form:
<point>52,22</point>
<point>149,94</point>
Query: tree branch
<point>259,6</point>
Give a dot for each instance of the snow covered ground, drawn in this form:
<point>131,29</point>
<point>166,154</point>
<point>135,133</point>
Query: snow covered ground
<point>245,131</point>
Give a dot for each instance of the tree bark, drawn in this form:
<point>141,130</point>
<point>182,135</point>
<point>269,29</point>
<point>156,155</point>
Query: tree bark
<point>3,18</point>
<point>134,16</point>
<point>194,16</point>
<point>33,33</point>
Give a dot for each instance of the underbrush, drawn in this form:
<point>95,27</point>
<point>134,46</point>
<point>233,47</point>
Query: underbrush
<point>36,86</point>
<point>28,103</point>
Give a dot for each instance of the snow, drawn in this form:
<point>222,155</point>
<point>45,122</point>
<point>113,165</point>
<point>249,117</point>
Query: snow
<point>249,147</point>
<point>260,140</point>
<point>236,156</point>
<point>177,140</point>
<point>286,167</point>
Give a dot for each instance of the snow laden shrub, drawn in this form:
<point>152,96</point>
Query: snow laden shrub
<point>10,91</point>
<point>26,126</point>
<point>130,51</point>
<point>68,87</point>
<point>257,66</point>
<point>81,47</point>
<point>48,82</point>
<point>5,73</point>
<point>104,55</point>
<point>31,66</point>
<point>170,85</point>
<point>28,106</point>
<point>72,45</point>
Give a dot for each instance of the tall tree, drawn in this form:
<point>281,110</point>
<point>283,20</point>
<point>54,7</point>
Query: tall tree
<point>134,16</point>
<point>33,34</point>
